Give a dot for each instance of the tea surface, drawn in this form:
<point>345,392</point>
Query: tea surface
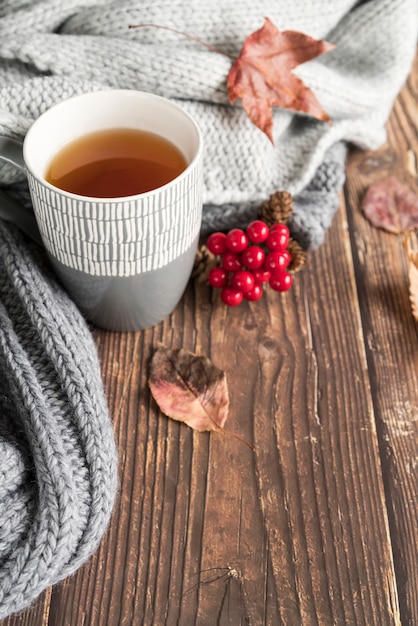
<point>115,163</point>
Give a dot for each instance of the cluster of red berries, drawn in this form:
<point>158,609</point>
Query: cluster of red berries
<point>246,264</point>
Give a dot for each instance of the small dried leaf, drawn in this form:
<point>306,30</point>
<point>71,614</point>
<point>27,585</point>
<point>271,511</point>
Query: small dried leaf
<point>189,388</point>
<point>391,205</point>
<point>262,75</point>
<point>412,258</point>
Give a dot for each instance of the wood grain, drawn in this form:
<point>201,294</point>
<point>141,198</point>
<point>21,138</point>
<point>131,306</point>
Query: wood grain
<point>317,526</point>
<point>392,338</point>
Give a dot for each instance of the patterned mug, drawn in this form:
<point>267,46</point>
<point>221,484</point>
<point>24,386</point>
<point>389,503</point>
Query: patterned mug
<point>125,260</point>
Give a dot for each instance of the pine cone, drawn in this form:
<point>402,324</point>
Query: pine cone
<point>298,256</point>
<point>204,262</point>
<point>278,208</point>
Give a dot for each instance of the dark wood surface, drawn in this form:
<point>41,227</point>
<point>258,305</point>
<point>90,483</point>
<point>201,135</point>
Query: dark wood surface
<point>318,526</point>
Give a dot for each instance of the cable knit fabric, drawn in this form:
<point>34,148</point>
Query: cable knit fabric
<point>51,49</point>
<point>58,462</point>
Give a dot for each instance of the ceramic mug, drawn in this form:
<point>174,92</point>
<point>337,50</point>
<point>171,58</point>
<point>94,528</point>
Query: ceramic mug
<point>125,261</point>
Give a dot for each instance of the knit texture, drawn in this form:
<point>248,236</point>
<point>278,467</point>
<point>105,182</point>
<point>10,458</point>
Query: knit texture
<point>58,463</point>
<point>51,49</point>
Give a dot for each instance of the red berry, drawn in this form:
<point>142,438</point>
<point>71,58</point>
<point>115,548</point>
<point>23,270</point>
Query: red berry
<point>276,261</point>
<point>261,275</point>
<point>236,240</point>
<point>281,281</point>
<point>281,231</point>
<point>254,294</point>
<point>257,231</point>
<point>231,297</point>
<point>231,262</point>
<point>277,241</point>
<point>242,281</point>
<point>253,257</point>
<point>218,277</point>
<point>279,228</point>
<point>216,243</point>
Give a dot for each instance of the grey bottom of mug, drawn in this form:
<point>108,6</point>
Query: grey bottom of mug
<point>128,303</point>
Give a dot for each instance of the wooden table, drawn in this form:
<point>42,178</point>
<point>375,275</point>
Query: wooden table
<point>318,526</point>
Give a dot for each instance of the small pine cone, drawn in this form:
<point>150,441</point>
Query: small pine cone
<point>278,208</point>
<point>298,256</point>
<point>204,262</point>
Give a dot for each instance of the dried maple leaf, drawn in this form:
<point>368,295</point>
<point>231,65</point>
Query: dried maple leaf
<point>412,258</point>
<point>391,205</point>
<point>262,76</point>
<point>189,388</point>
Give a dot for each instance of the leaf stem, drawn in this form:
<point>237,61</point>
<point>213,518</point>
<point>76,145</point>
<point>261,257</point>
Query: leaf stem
<point>238,437</point>
<point>180,32</point>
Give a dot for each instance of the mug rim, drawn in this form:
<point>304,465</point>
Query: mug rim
<point>114,199</point>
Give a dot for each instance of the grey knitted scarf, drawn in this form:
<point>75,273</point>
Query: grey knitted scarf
<point>57,453</point>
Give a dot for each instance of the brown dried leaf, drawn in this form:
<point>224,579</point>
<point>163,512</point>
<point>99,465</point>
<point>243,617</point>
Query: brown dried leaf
<point>412,258</point>
<point>391,205</point>
<point>189,388</point>
<point>262,75</point>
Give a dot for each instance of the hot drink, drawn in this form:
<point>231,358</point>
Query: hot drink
<point>115,163</point>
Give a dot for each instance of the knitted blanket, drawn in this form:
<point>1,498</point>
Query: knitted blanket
<point>51,49</point>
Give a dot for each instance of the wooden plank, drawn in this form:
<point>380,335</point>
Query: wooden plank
<point>205,530</point>
<point>392,338</point>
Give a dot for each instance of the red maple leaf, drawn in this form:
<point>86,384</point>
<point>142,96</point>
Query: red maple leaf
<point>262,76</point>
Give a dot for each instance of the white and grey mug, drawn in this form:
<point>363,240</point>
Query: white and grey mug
<point>125,261</point>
